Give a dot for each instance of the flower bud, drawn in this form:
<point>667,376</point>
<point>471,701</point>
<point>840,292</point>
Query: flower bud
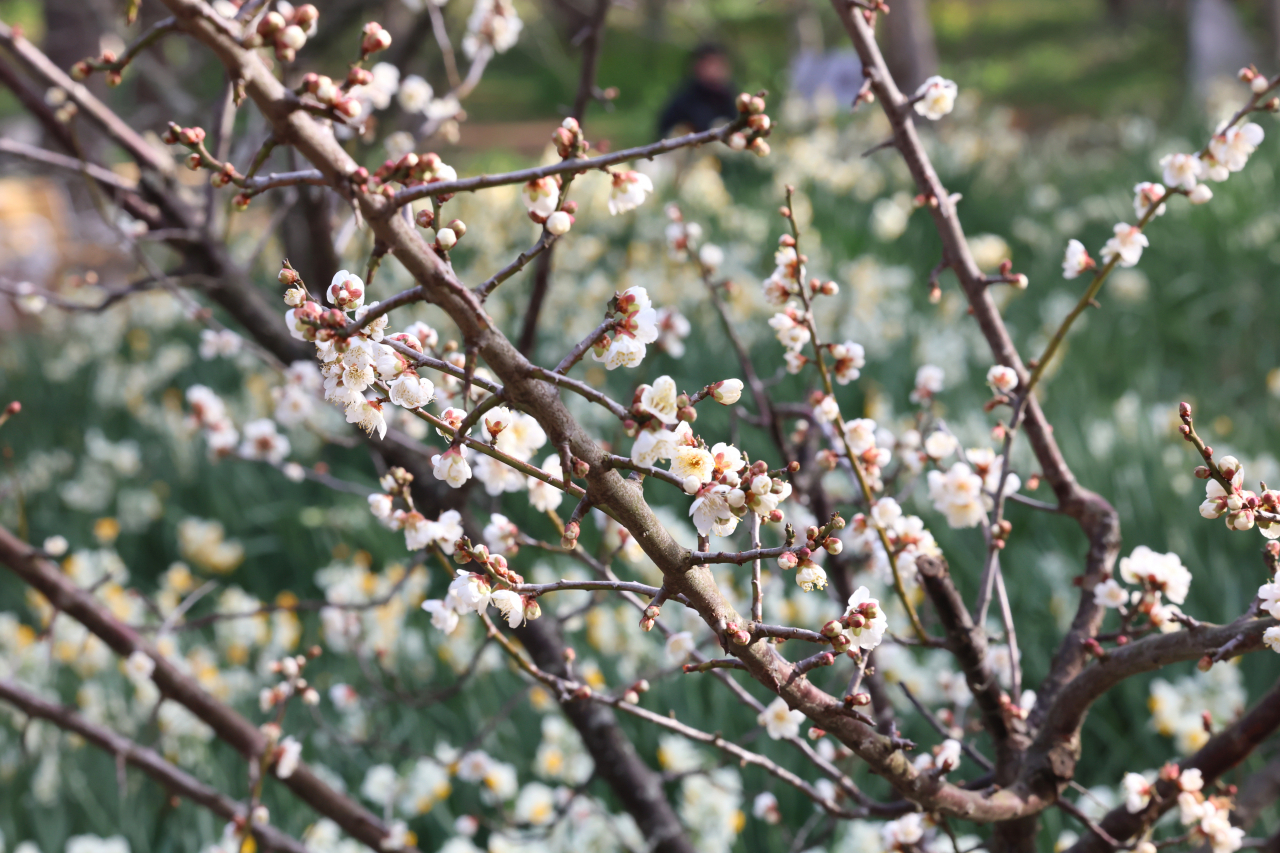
<point>559,223</point>
<point>788,560</point>
<point>193,162</point>
<point>727,391</point>
<point>81,70</point>
<point>833,546</point>
<point>832,629</point>
<point>446,239</point>
<point>759,147</point>
<point>532,610</point>
<point>375,38</point>
<point>688,414</point>
<point>861,699</point>
<point>271,23</point>
<point>691,485</point>
<point>737,141</point>
<point>424,217</point>
<point>1202,472</point>
<point>841,643</point>
<point>1200,194</point>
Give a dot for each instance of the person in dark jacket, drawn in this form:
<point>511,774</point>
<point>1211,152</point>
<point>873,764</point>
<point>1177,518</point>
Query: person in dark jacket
<point>706,99</point>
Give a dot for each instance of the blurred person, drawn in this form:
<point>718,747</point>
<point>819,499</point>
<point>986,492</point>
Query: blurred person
<point>706,98</point>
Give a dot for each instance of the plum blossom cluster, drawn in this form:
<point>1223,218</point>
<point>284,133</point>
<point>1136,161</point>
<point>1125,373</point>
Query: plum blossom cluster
<point>810,575</point>
<point>474,591</point>
<point>1160,576</point>
<point>635,324</point>
<point>1205,817</point>
<point>907,536</point>
<point>966,491</point>
<point>259,440</point>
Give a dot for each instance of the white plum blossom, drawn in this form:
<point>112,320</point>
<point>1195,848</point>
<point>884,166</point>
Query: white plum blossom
<point>367,414</point>
<point>1126,245</point>
<point>493,24</point>
<point>443,616</point>
<point>679,646</point>
<point>261,441</point>
<point>726,392</point>
<point>929,381</point>
<point>543,496</point>
<point>139,666</point>
<point>957,494</point>
<point>1110,594</point>
<point>411,391</point>
<point>451,466</point>
<point>222,343</point>
<point>872,624</point>
<point>1002,378</point>
<point>471,592</point>
<point>1145,196</point>
<point>659,399</point>
<point>711,512</point>
<point>1163,573</point>
<point>779,721</point>
<point>693,462</point>
<point>940,444</point>
<point>1076,261</point>
<point>850,358</point>
<point>290,755</point>
<point>540,196</point>
<point>628,191</point>
<point>1231,148</point>
<point>559,223</point>
<point>1137,792</point>
<point>415,94</point>
<point>935,98</point>
<point>510,604</point>
<point>346,291</point>
<point>1181,171</point>
<point>791,332</point>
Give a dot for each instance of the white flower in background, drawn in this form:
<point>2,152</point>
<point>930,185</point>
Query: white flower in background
<point>1191,779</point>
<point>874,622</point>
<point>679,646</point>
<point>443,617</point>
<point>219,343</point>
<point>540,196</point>
<point>1271,637</point>
<point>1200,195</point>
<point>543,496</point>
<point>903,833</point>
<point>397,837</point>
<point>948,757</point>
<point>1162,572</point>
<point>790,333</point>
<point>31,301</point>
<point>936,97</point>
<point>827,410</point>
<point>139,666</point>
<point>536,805</point>
<point>493,23</point>
<point>940,444</point>
<point>376,328</point>
<point>1076,261</point>
<point>510,604</point>
<point>290,755</point>
<point>850,358</point>
<point>628,191</point>
<point>659,399</point>
<point>957,494</point>
<point>451,466</point>
<point>929,381</point>
<point>779,721</point>
<point>860,433</point>
<point>380,784</point>
<point>414,95</point>
<point>765,807</point>
<point>1002,379</point>
<point>262,442</point>
<point>1232,147</point>
<point>1127,245</point>
<point>1269,592</point>
<point>1110,594</point>
<point>1181,171</point>
<point>711,256</point>
<point>1145,196</point>
<point>1137,792</point>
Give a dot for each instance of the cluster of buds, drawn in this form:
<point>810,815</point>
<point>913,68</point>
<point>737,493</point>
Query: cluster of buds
<point>375,39</point>
<point>333,95</point>
<point>570,143</point>
<point>396,482</point>
<point>292,683</point>
<point>1011,709</point>
<point>569,539</point>
<point>632,694</point>
<point>496,572</point>
<point>64,109</point>
<point>1258,83</point>
<point>198,157</point>
<point>107,62</point>
<point>413,170</point>
<point>810,575</point>
<point>756,125</point>
<point>739,635</point>
<point>285,29</point>
<point>1008,276</point>
<point>759,490</point>
<point>1225,494</point>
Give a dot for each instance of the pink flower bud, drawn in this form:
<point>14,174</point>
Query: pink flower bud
<point>788,560</point>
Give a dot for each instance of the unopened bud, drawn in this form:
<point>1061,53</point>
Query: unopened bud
<point>1205,664</point>
<point>581,468</point>
<point>833,545</point>
<point>832,629</point>
<point>841,643</point>
<point>1202,472</point>
<point>424,217</point>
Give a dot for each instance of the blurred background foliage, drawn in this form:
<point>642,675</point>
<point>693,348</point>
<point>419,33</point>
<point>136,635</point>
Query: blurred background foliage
<point>1065,105</point>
